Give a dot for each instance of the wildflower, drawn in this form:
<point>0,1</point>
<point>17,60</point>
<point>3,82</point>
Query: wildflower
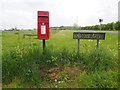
<point>59,82</point>
<point>55,80</point>
<point>56,86</point>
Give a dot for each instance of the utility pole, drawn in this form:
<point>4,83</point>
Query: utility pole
<point>113,26</point>
<point>77,21</point>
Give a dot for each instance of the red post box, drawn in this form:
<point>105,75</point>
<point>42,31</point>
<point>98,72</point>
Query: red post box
<point>43,24</point>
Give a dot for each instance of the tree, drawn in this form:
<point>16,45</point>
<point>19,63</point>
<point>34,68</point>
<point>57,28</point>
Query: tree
<point>62,28</point>
<point>117,25</point>
<point>75,27</point>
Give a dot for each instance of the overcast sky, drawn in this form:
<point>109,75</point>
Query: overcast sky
<point>23,13</point>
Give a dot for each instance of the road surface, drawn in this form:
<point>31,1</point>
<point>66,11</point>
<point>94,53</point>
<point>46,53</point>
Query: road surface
<point>114,32</point>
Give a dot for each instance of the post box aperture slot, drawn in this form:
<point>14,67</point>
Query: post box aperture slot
<point>42,16</point>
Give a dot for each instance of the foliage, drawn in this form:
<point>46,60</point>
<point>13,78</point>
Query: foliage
<point>22,58</point>
<point>98,80</point>
<point>22,62</point>
<point>108,26</point>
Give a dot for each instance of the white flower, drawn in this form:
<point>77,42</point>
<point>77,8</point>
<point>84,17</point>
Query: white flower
<point>59,82</point>
<point>55,80</point>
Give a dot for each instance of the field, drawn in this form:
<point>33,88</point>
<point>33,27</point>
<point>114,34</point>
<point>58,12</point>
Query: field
<point>25,65</point>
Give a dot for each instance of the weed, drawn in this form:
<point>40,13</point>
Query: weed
<point>21,62</point>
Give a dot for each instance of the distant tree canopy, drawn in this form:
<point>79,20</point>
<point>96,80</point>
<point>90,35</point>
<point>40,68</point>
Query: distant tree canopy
<point>108,26</point>
<point>62,28</point>
<point>13,29</point>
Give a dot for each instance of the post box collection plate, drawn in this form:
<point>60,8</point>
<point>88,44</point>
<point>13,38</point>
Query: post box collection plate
<point>43,29</point>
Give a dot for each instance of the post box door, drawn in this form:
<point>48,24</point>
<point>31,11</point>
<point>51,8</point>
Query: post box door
<point>43,25</point>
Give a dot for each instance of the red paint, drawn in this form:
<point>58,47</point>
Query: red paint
<point>43,20</point>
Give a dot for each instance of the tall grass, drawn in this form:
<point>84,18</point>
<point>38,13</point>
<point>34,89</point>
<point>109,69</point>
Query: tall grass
<point>23,63</point>
<point>22,59</point>
<point>97,80</point>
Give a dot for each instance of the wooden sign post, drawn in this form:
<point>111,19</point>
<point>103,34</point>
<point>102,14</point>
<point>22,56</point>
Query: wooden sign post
<point>88,35</point>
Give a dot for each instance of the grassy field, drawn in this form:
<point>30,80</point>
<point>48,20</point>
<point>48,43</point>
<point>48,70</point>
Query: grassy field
<point>25,65</point>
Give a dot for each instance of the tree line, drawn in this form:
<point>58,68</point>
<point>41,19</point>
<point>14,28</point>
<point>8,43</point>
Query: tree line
<point>108,26</point>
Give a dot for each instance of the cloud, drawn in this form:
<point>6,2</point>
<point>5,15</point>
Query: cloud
<point>23,13</point>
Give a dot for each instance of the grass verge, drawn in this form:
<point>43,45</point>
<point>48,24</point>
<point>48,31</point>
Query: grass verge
<point>21,65</point>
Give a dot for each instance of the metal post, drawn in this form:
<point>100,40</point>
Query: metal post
<point>97,43</point>
<point>78,45</point>
<point>100,26</point>
<point>43,44</point>
<point>113,26</point>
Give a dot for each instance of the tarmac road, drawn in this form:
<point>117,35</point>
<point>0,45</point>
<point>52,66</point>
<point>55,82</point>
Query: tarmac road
<point>114,32</point>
